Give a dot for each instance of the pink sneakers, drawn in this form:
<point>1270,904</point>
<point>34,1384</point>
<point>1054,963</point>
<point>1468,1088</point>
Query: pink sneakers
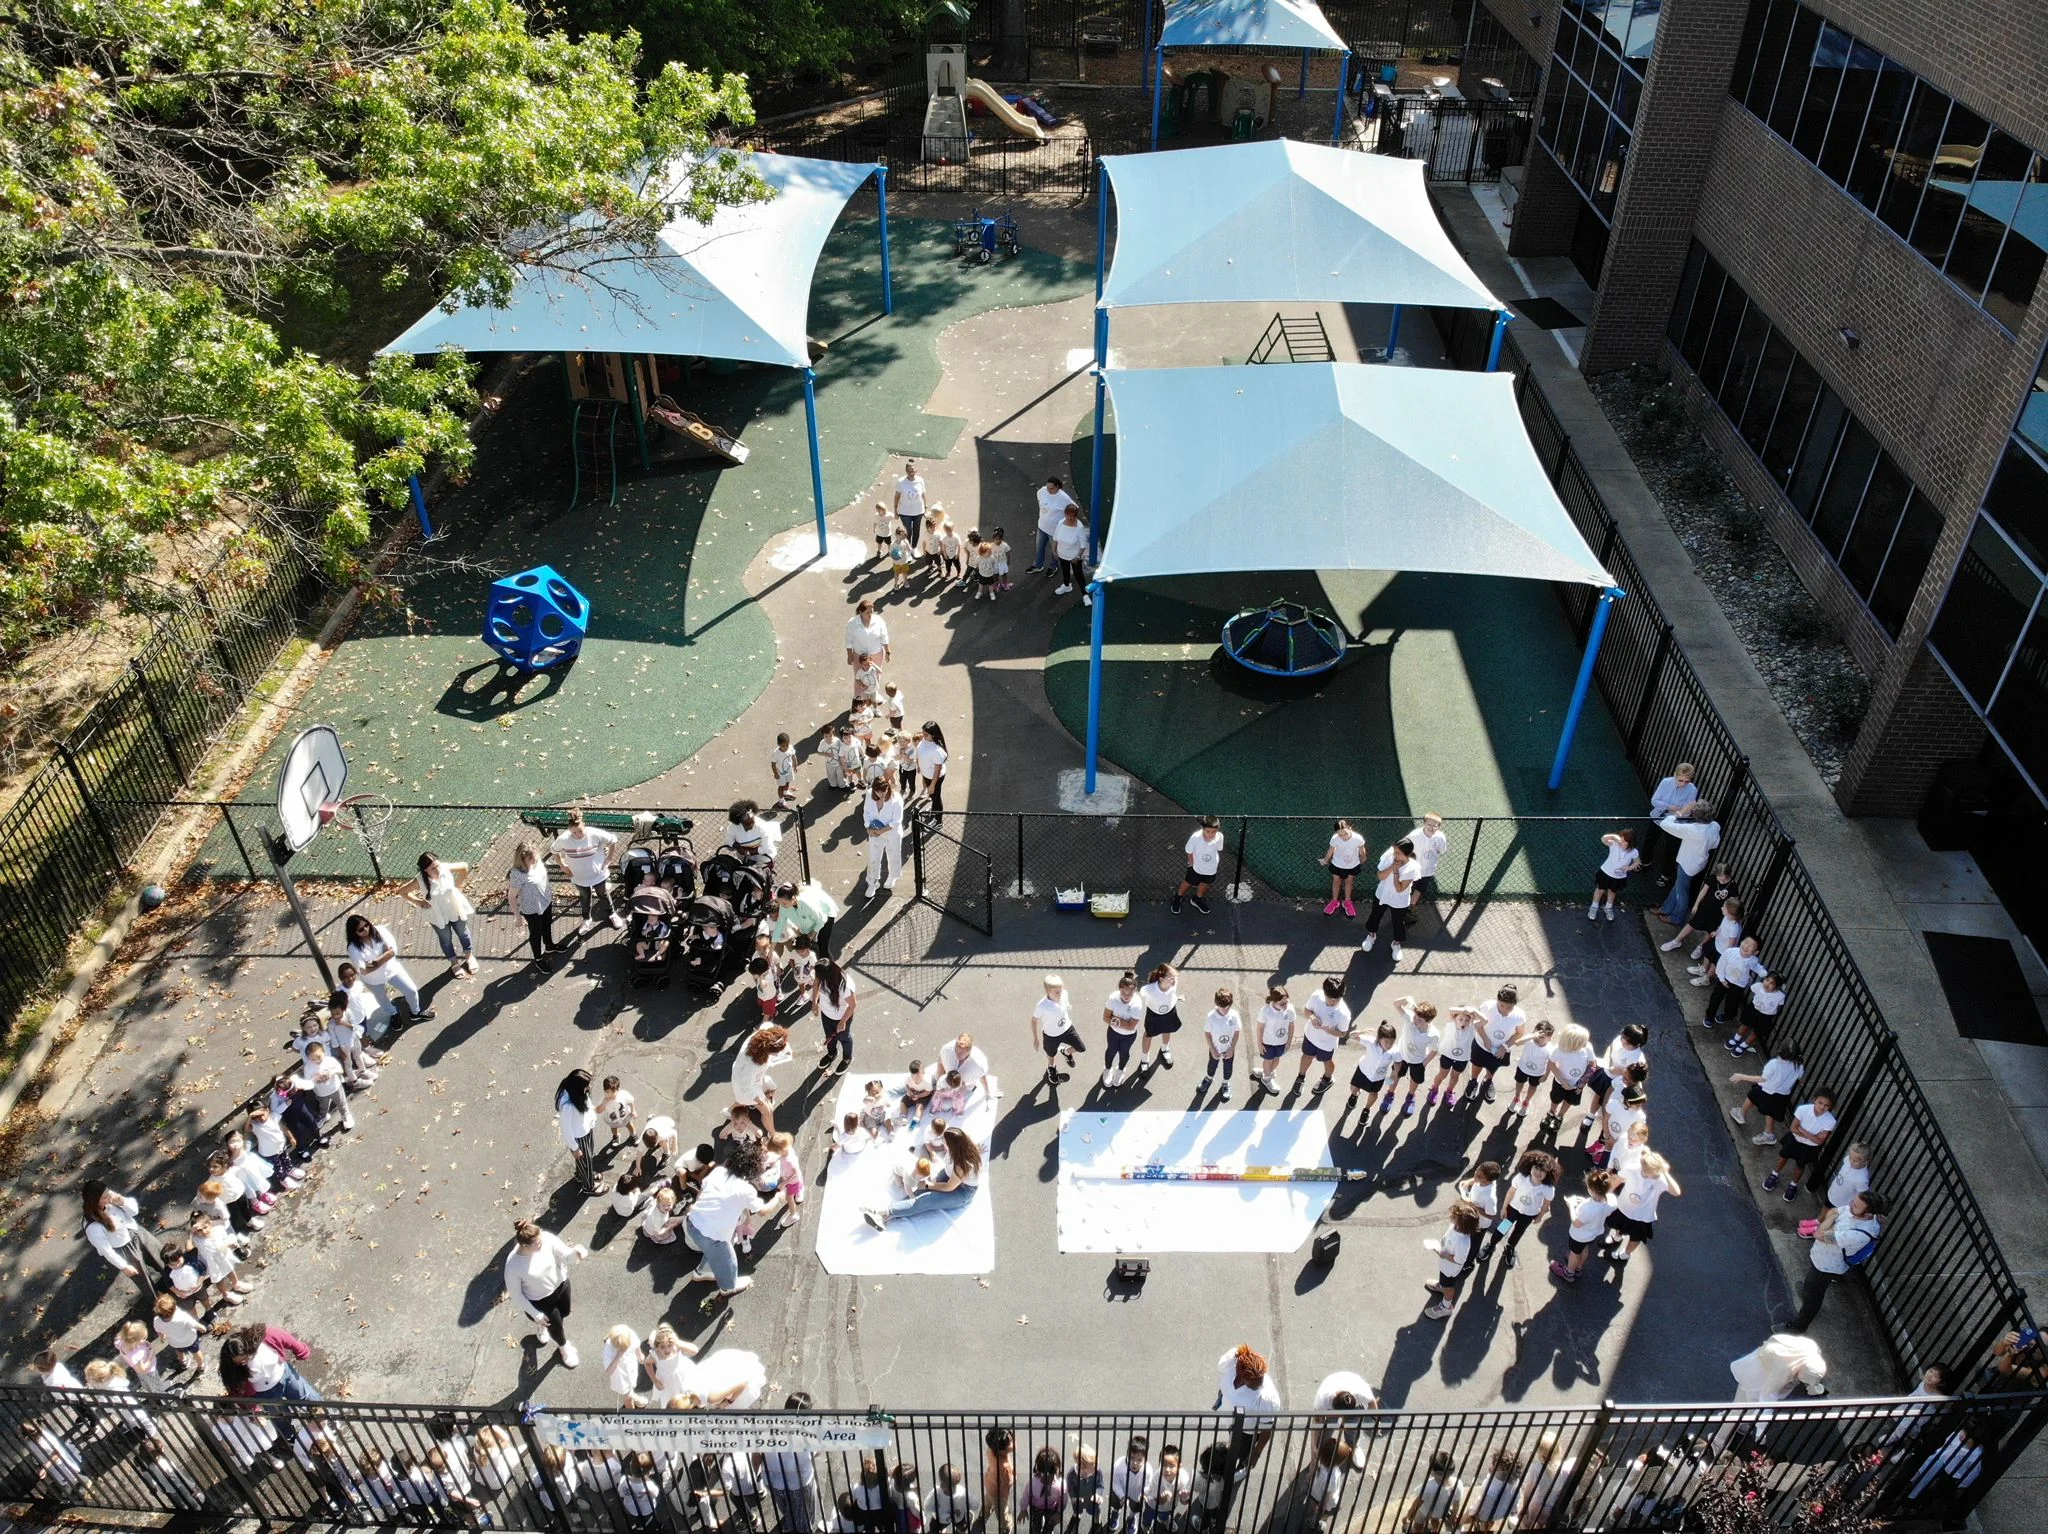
<point>1330,909</point>
<point>1350,909</point>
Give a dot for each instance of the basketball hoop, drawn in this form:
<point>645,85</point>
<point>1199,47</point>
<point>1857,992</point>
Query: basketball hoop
<point>368,817</point>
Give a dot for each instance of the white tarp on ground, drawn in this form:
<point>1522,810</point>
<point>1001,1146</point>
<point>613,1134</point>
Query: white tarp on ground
<point>952,1241</point>
<point>1100,1212</point>
<point>738,287</point>
<point>1249,24</point>
<point>1331,466</point>
<point>1281,222</point>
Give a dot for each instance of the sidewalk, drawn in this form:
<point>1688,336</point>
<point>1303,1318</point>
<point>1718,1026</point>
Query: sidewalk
<point>1855,864</point>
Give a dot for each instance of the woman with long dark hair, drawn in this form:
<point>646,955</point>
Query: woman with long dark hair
<point>931,765</point>
<point>578,1117</point>
<point>374,952</point>
<point>113,1226</point>
<point>835,1002</point>
<point>951,1189</point>
<point>438,892</point>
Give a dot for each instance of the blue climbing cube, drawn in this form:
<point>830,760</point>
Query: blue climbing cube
<point>536,620</point>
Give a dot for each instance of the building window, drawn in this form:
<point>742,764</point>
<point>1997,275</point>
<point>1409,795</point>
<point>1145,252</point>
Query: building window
<point>1590,96</point>
<point>1972,200</point>
<point>1877,528</point>
<point>1493,53</point>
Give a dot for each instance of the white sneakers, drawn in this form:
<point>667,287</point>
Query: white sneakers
<point>1394,952</point>
<point>1060,591</point>
<point>1670,947</point>
<point>1370,939</point>
<point>570,1357</point>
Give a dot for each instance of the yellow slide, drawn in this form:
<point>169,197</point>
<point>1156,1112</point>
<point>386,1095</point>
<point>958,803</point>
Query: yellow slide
<point>1016,122</point>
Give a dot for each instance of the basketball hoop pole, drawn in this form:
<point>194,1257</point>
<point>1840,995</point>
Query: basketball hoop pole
<point>272,846</point>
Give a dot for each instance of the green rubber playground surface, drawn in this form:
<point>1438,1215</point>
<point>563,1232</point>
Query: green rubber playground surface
<point>677,649</point>
<point>1453,702</point>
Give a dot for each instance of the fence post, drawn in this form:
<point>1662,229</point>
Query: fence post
<point>1564,448</point>
<point>1583,1462</point>
<point>92,807</point>
<point>1650,681</point>
<point>1736,785</point>
<point>1244,831</point>
<point>227,815</point>
<point>916,855</point>
<point>1471,852</point>
<point>1019,818</point>
<point>803,844</point>
<point>1780,859</point>
<point>558,1505</point>
<point>2006,1455</point>
<point>163,733</point>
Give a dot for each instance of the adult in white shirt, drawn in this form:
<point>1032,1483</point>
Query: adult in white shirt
<point>952,1188</point>
<point>537,1278</point>
<point>1070,546</point>
<point>931,764</point>
<point>374,952</point>
<point>748,832</point>
<point>527,892</point>
<point>586,852</point>
<point>765,1048</point>
<point>1841,1241</point>
<point>1773,1371</point>
<point>1697,834</point>
<point>1053,502</point>
<point>963,1055</point>
<point>577,1115</point>
<point>1204,853</point>
<point>1396,895</point>
<point>1052,1027</point>
<point>438,892</point>
<point>1670,796</point>
<point>882,816</point>
<point>1246,1389</point>
<point>729,1194</point>
<point>114,1229</point>
<point>867,634</point>
<point>910,499</point>
<point>1430,845</point>
<point>1342,857</point>
<point>1500,1027</point>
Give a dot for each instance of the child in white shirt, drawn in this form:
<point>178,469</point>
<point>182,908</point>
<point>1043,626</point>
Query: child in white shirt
<point>885,525</point>
<point>1002,549</point>
<point>616,1109</point>
<point>782,770</point>
<point>1222,1028</point>
<point>1370,1074</point>
<point>850,1138</point>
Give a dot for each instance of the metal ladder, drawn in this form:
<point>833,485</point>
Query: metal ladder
<point>1303,336</point>
<point>594,435</point>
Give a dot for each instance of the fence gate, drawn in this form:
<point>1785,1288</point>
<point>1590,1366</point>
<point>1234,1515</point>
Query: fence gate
<point>958,879</point>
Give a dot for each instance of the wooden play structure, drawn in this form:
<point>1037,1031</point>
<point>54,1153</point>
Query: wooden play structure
<point>608,388</point>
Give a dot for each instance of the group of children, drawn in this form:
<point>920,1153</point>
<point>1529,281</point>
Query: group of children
<point>980,560</point>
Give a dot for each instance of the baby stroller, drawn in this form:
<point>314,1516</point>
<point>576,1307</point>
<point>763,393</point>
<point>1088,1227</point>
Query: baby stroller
<point>746,879</point>
<point>713,948</point>
<point>651,932</point>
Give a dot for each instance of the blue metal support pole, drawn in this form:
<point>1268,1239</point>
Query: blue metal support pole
<point>1158,73</point>
<point>1095,590</point>
<point>1584,684</point>
<point>1302,94</point>
<point>1343,87</point>
<point>419,508</point>
<point>882,197</point>
<point>1500,335</point>
<point>817,463</point>
<point>1101,394</point>
<point>1393,332</point>
<point>1101,228</point>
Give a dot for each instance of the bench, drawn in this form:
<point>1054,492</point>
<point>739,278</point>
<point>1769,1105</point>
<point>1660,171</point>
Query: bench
<point>640,825</point>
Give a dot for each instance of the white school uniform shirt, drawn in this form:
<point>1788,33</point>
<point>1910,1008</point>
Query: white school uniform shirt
<point>626,1202</point>
<point>1125,1015</point>
<point>588,854</point>
<point>1619,1056</point>
<point>269,1138</point>
<point>1328,1021</point>
<point>1573,1067</point>
<point>1620,862</point>
<point>1452,1248</point>
<point>1347,850</point>
<point>1780,1076</point>
<point>113,1244</point>
<point>1485,1197</point>
<point>1276,1025</point>
<point>1739,969</point>
<point>618,1109</point>
<point>1589,1216</point>
<point>1728,934</point>
<point>1206,853</point>
<point>931,756</point>
<point>1848,1182</point>
<point>1053,1017</point>
<point>1159,998</point>
<point>1542,1485</point>
<point>1129,1485</point>
<point>1528,1196</point>
<point>1406,872</point>
<point>1621,1118</point>
<point>1223,1029</point>
<point>1497,1027</point>
<point>1454,1040</point>
<point>1639,1195</point>
<point>1533,1058</point>
<point>1811,1124</point>
<point>1430,847</point>
<point>1415,1041</point>
<point>1375,1062</point>
<point>179,1329</point>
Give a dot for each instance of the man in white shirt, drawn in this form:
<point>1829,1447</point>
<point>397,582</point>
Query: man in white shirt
<point>1841,1240</point>
<point>866,634</point>
<point>963,1056</point>
<point>537,1278</point>
<point>1204,856</point>
<point>1053,502</point>
<point>586,853</point>
<point>910,498</point>
<point>1395,895</point>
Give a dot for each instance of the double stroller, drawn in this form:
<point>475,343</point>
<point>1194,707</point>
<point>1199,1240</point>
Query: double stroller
<point>720,924</point>
<point>655,885</point>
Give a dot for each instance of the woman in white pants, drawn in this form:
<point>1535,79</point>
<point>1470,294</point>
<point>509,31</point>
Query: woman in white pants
<point>884,818</point>
<point>374,952</point>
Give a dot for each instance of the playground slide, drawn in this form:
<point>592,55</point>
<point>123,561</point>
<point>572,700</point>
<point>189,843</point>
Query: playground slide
<point>1016,122</point>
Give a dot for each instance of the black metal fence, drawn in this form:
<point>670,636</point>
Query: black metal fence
<point>66,841</point>
<point>1377,30</point>
<point>1606,1467</point>
<point>1939,1283</point>
<point>1458,141</point>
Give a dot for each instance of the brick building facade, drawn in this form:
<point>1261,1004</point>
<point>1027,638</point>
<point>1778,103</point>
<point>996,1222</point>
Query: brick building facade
<point>1826,219</point>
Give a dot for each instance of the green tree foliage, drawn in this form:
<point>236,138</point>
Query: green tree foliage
<point>173,170</point>
<point>765,39</point>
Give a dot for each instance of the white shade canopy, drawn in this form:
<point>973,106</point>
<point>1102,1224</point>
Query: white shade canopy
<point>1331,466</point>
<point>738,287</point>
<point>1248,24</point>
<point>1281,222</point>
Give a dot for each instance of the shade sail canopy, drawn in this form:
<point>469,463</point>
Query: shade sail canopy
<point>1248,24</point>
<point>738,287</point>
<point>1331,466</point>
<point>1281,222</point>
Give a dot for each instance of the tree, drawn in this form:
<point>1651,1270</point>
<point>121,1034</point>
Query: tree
<point>763,39</point>
<point>170,175</point>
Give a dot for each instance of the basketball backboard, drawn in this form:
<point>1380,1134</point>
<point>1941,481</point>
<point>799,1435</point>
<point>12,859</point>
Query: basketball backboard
<point>314,773</point>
